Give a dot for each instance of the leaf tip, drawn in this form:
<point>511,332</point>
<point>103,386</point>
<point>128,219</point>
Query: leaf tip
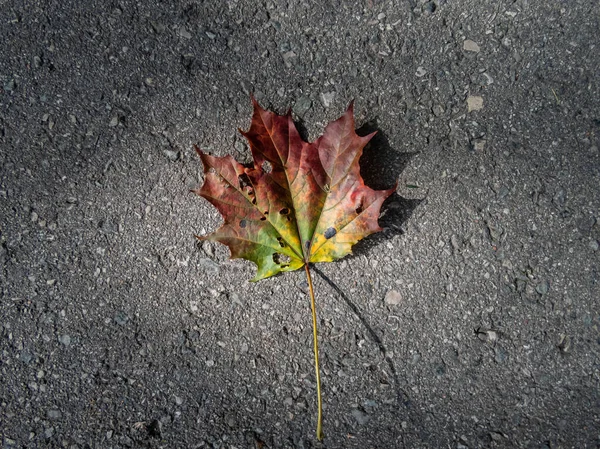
<point>351,107</point>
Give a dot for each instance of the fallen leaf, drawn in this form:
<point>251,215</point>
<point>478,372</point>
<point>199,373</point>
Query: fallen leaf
<point>299,202</point>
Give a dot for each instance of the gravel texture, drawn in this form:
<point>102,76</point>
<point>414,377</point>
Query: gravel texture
<point>472,321</point>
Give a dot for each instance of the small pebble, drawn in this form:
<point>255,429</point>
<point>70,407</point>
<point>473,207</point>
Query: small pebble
<point>208,248</point>
<point>500,355</point>
<point>288,56</point>
<point>479,145</point>
<point>360,416</point>
<point>474,103</point>
<point>393,298</point>
<point>302,106</point>
<point>208,265</point>
<point>496,436</point>
<point>240,392</point>
<point>172,155</point>
<point>564,343</point>
<point>54,414</point>
<point>10,85</point>
<point>469,45</point>
<point>121,318</point>
<point>65,339</point>
<point>327,98</point>
<point>26,357</point>
<point>543,287</point>
<point>420,72</point>
<point>429,8</point>
<point>183,32</point>
<point>455,241</point>
<point>488,335</point>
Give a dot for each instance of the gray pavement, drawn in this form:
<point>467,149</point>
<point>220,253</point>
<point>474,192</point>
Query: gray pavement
<point>472,321</point>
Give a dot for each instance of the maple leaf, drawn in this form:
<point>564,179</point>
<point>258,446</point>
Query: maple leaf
<point>297,203</point>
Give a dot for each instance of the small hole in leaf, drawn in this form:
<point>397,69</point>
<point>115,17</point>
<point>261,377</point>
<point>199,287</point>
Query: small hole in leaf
<point>263,218</point>
<point>267,167</point>
<point>254,200</point>
<point>284,211</point>
<point>360,208</point>
<point>281,242</point>
<point>281,259</point>
<point>243,223</point>
<point>266,212</point>
<point>330,232</point>
<point>244,181</point>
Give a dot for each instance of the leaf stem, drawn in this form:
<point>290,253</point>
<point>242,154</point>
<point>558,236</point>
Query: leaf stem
<point>316,348</point>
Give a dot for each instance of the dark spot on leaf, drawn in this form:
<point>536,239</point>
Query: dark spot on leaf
<point>359,209</point>
<point>267,167</point>
<point>243,223</point>
<point>266,212</point>
<point>330,232</point>
<point>284,211</point>
<point>254,201</point>
<point>281,242</point>
<point>263,218</point>
<point>281,259</point>
<point>307,246</point>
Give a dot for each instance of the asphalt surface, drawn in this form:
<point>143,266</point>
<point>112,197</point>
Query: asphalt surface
<point>472,321</point>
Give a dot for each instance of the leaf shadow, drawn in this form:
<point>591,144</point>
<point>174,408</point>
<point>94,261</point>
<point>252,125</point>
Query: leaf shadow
<point>401,396</point>
<point>380,167</point>
<point>380,164</point>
